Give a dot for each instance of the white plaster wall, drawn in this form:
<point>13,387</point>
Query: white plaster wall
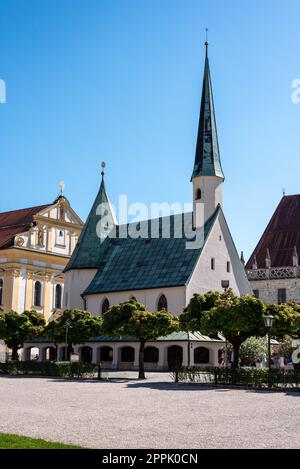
<point>222,250</point>
<point>175,296</point>
<point>56,247</point>
<point>212,193</point>
<point>76,281</point>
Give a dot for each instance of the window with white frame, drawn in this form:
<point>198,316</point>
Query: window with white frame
<point>37,298</point>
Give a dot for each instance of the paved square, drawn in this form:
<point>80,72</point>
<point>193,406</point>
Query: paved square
<point>156,413</point>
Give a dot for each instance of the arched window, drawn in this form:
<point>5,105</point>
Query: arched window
<point>1,290</point>
<point>151,355</point>
<point>162,303</point>
<point>201,355</point>
<point>105,306</point>
<point>198,194</point>
<point>37,294</point>
<point>58,295</point>
<point>127,354</point>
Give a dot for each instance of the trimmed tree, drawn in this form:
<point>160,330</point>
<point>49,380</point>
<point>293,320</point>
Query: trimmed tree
<point>15,328</point>
<point>237,319</point>
<point>190,318</point>
<point>134,320</point>
<point>287,320</point>
<point>82,326</point>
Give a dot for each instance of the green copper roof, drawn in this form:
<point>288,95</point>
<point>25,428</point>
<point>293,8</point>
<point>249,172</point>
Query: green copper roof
<point>207,159</point>
<point>88,250</point>
<point>127,264</point>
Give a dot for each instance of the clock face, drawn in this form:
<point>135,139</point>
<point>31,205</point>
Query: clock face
<point>20,241</point>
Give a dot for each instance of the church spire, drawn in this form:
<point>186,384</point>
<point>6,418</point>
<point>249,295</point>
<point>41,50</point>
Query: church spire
<point>100,222</point>
<point>207,159</point>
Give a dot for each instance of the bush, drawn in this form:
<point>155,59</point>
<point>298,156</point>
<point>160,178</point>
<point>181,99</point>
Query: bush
<point>55,369</point>
<point>248,377</point>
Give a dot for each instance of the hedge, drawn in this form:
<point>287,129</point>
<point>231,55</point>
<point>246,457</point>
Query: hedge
<point>247,376</point>
<point>57,369</point>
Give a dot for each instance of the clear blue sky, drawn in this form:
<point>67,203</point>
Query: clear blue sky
<point>120,81</point>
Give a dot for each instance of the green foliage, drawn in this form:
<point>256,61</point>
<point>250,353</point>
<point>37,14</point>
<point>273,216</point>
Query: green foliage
<point>15,328</point>
<point>287,320</point>
<point>237,318</point>
<point>56,369</point>
<point>254,348</point>
<point>190,318</point>
<point>134,320</point>
<point>83,326</point>
<point>248,377</point>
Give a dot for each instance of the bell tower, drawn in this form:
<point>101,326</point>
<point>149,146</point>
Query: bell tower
<point>207,177</point>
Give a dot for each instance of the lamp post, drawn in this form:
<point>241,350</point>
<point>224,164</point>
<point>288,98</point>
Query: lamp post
<point>269,321</point>
<point>67,326</point>
<point>225,286</point>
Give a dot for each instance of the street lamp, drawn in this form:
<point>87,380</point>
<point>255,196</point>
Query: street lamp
<point>67,326</point>
<point>269,321</point>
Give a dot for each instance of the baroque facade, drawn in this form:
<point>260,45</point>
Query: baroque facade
<point>273,268</point>
<point>35,246</point>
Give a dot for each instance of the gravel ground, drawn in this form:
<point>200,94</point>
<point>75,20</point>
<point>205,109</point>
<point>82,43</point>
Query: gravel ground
<point>126,413</point>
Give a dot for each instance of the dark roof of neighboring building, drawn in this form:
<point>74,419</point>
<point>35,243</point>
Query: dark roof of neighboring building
<point>15,222</point>
<point>207,158</point>
<point>281,235</point>
<point>128,264</point>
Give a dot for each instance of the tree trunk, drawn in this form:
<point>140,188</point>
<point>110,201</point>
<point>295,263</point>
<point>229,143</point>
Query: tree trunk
<point>14,355</point>
<point>141,359</point>
<point>236,355</point>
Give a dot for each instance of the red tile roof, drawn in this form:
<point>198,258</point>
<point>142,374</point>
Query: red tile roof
<point>16,221</point>
<point>281,235</point>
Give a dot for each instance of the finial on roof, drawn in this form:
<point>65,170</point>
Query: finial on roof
<point>61,188</point>
<point>103,165</point>
<point>283,191</point>
<point>206,41</point>
<point>242,258</point>
<point>268,259</point>
<point>295,257</point>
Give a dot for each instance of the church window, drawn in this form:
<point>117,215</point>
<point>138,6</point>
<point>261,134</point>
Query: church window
<point>198,194</point>
<point>281,295</point>
<point>201,355</point>
<point>37,294</point>
<point>228,266</point>
<point>1,290</point>
<point>213,263</point>
<point>58,296</point>
<point>105,306</point>
<point>162,303</point>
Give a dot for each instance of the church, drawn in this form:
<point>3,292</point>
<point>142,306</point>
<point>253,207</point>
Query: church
<point>159,271</point>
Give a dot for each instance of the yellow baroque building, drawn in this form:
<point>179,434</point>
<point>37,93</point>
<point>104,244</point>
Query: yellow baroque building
<point>35,246</point>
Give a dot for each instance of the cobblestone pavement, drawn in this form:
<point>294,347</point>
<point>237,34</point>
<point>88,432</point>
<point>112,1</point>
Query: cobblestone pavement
<point>126,413</point>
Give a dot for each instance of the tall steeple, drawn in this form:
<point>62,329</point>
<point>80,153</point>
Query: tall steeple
<point>207,174</point>
<point>99,223</point>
